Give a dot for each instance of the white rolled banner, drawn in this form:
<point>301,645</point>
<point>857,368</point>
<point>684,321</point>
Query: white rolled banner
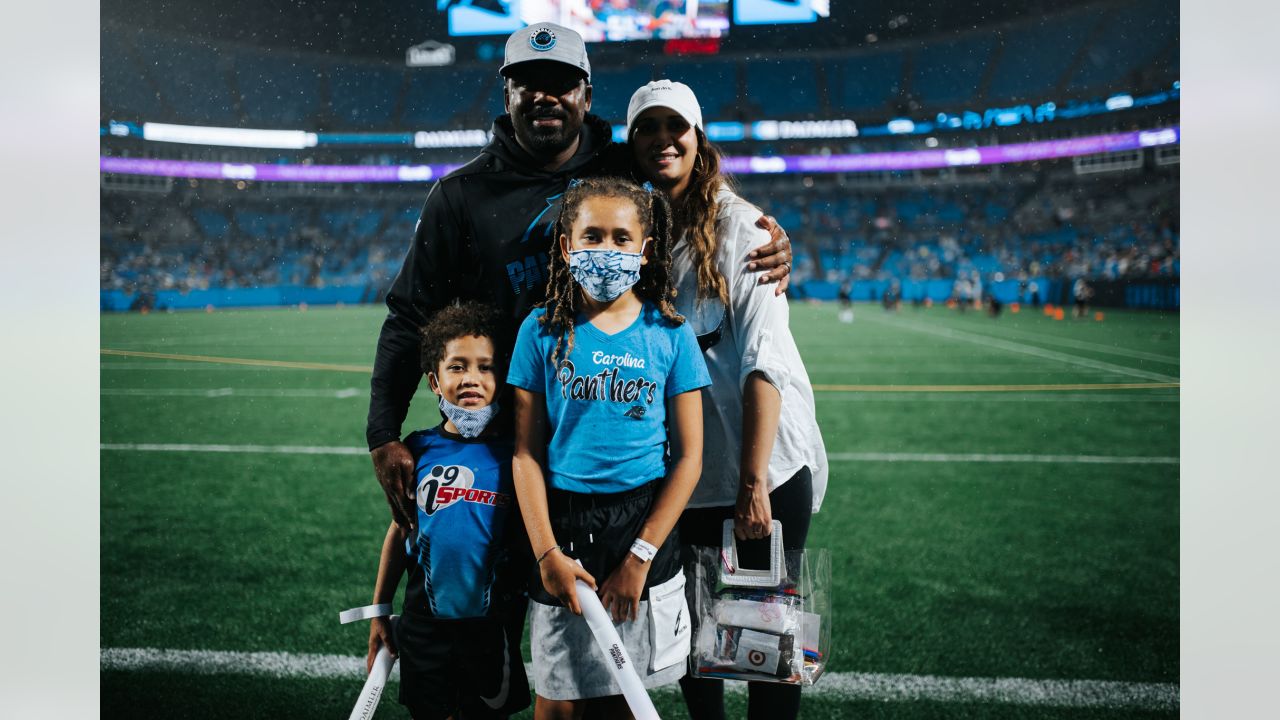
<point>371,693</point>
<point>624,671</point>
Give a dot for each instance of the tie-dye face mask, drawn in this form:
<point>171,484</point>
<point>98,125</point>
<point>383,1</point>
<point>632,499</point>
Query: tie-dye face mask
<point>470,423</point>
<point>605,274</point>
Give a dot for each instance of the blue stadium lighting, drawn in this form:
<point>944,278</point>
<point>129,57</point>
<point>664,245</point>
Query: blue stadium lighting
<point>726,131</point>
<point>1119,102</point>
<point>723,132</point>
<point>901,126</point>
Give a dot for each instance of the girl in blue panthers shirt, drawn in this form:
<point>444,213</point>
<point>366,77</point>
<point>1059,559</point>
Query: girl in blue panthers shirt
<point>459,634</point>
<point>607,381</point>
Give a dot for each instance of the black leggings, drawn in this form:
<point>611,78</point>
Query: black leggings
<point>792,504</point>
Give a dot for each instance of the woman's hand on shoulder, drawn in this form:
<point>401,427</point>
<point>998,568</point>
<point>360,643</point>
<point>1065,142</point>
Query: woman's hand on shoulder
<point>621,591</point>
<point>775,257</point>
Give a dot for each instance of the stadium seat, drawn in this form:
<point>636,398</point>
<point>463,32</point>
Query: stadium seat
<point>279,91</point>
<point>612,91</point>
<point>790,86</point>
<point>364,97</point>
<point>948,72</point>
<point>1036,55</point>
<point>715,84</point>
<point>1130,39</point>
<point>446,98</point>
<point>126,94</point>
<point>192,78</point>
<point>864,83</point>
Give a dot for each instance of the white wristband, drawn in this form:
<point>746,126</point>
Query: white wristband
<point>368,612</point>
<point>643,550</point>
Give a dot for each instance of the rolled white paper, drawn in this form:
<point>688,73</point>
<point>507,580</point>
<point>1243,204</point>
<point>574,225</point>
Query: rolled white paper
<point>624,671</point>
<point>371,693</point>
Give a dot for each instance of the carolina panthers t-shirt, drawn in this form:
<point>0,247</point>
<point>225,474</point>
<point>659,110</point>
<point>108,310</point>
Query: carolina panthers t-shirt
<point>465,495</point>
<point>606,403</point>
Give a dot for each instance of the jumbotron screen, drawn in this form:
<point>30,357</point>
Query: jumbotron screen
<point>596,20</point>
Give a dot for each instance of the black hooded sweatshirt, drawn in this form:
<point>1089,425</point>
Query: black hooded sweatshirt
<point>484,234</point>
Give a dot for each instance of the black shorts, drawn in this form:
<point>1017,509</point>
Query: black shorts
<point>470,666</point>
<point>599,529</point>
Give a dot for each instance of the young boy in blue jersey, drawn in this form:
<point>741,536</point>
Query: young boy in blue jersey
<point>458,657</point>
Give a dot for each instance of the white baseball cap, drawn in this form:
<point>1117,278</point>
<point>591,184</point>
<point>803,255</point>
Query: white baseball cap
<point>668,94</point>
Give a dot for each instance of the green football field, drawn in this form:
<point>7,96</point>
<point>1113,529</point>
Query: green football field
<point>1002,513</point>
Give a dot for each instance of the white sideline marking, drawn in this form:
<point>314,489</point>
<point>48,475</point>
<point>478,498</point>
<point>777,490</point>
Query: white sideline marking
<point>1092,397</point>
<point>840,685</point>
<point>988,341</point>
<point>278,449</point>
<point>1086,345</point>
<point>991,458</point>
<point>339,394</point>
<point>836,457</point>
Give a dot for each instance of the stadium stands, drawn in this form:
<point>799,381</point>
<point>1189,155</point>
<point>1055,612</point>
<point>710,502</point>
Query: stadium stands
<point>364,97</point>
<point>948,73</point>
<point>279,91</point>
<point>783,88</point>
<point>1112,227</point>
<point>1130,41</point>
<point>612,91</point>
<point>126,90</point>
<point>715,83</point>
<point>1035,56</point>
<point>864,83</point>
<point>1078,53</point>
<point>442,98</point>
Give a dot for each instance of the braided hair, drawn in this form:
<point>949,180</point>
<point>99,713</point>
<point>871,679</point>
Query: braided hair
<point>563,299</point>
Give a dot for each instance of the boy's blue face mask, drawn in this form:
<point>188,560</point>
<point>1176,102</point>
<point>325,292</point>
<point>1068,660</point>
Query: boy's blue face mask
<point>605,274</point>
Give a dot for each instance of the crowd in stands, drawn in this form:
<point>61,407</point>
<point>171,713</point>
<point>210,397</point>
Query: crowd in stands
<point>1104,228</point>
<point>1078,53</point>
<point>1119,226</point>
<point>151,244</point>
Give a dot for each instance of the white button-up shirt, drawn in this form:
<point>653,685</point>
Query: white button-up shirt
<point>755,337</point>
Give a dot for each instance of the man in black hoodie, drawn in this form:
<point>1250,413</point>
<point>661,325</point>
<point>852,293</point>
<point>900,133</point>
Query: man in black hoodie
<point>486,228</point>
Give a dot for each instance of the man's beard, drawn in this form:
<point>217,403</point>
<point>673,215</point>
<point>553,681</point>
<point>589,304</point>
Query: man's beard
<point>547,140</point>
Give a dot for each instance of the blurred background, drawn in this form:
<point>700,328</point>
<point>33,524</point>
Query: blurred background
<point>901,145</point>
<point>983,201</point>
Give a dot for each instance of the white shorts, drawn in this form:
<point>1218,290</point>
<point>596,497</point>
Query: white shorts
<point>568,665</point>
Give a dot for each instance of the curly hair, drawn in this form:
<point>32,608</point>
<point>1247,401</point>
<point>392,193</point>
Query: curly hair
<point>462,319</point>
<point>694,215</point>
<point>563,298</point>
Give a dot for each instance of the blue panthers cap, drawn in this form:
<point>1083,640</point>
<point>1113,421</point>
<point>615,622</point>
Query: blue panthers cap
<point>546,41</point>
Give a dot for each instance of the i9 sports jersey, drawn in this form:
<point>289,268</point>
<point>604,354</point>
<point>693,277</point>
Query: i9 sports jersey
<point>465,497</point>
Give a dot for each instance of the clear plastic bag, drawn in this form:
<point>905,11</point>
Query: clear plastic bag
<point>770,626</point>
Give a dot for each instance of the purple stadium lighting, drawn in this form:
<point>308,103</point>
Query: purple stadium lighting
<point>742,165</point>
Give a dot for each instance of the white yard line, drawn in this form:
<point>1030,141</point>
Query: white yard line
<point>834,457</point>
<point>991,342</point>
<point>836,685</point>
<point>984,398</point>
<point>270,449</point>
<point>337,394</point>
<point>1086,345</point>
<point>1002,458</point>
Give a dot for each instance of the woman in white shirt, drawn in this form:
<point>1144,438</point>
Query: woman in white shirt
<point>763,453</point>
